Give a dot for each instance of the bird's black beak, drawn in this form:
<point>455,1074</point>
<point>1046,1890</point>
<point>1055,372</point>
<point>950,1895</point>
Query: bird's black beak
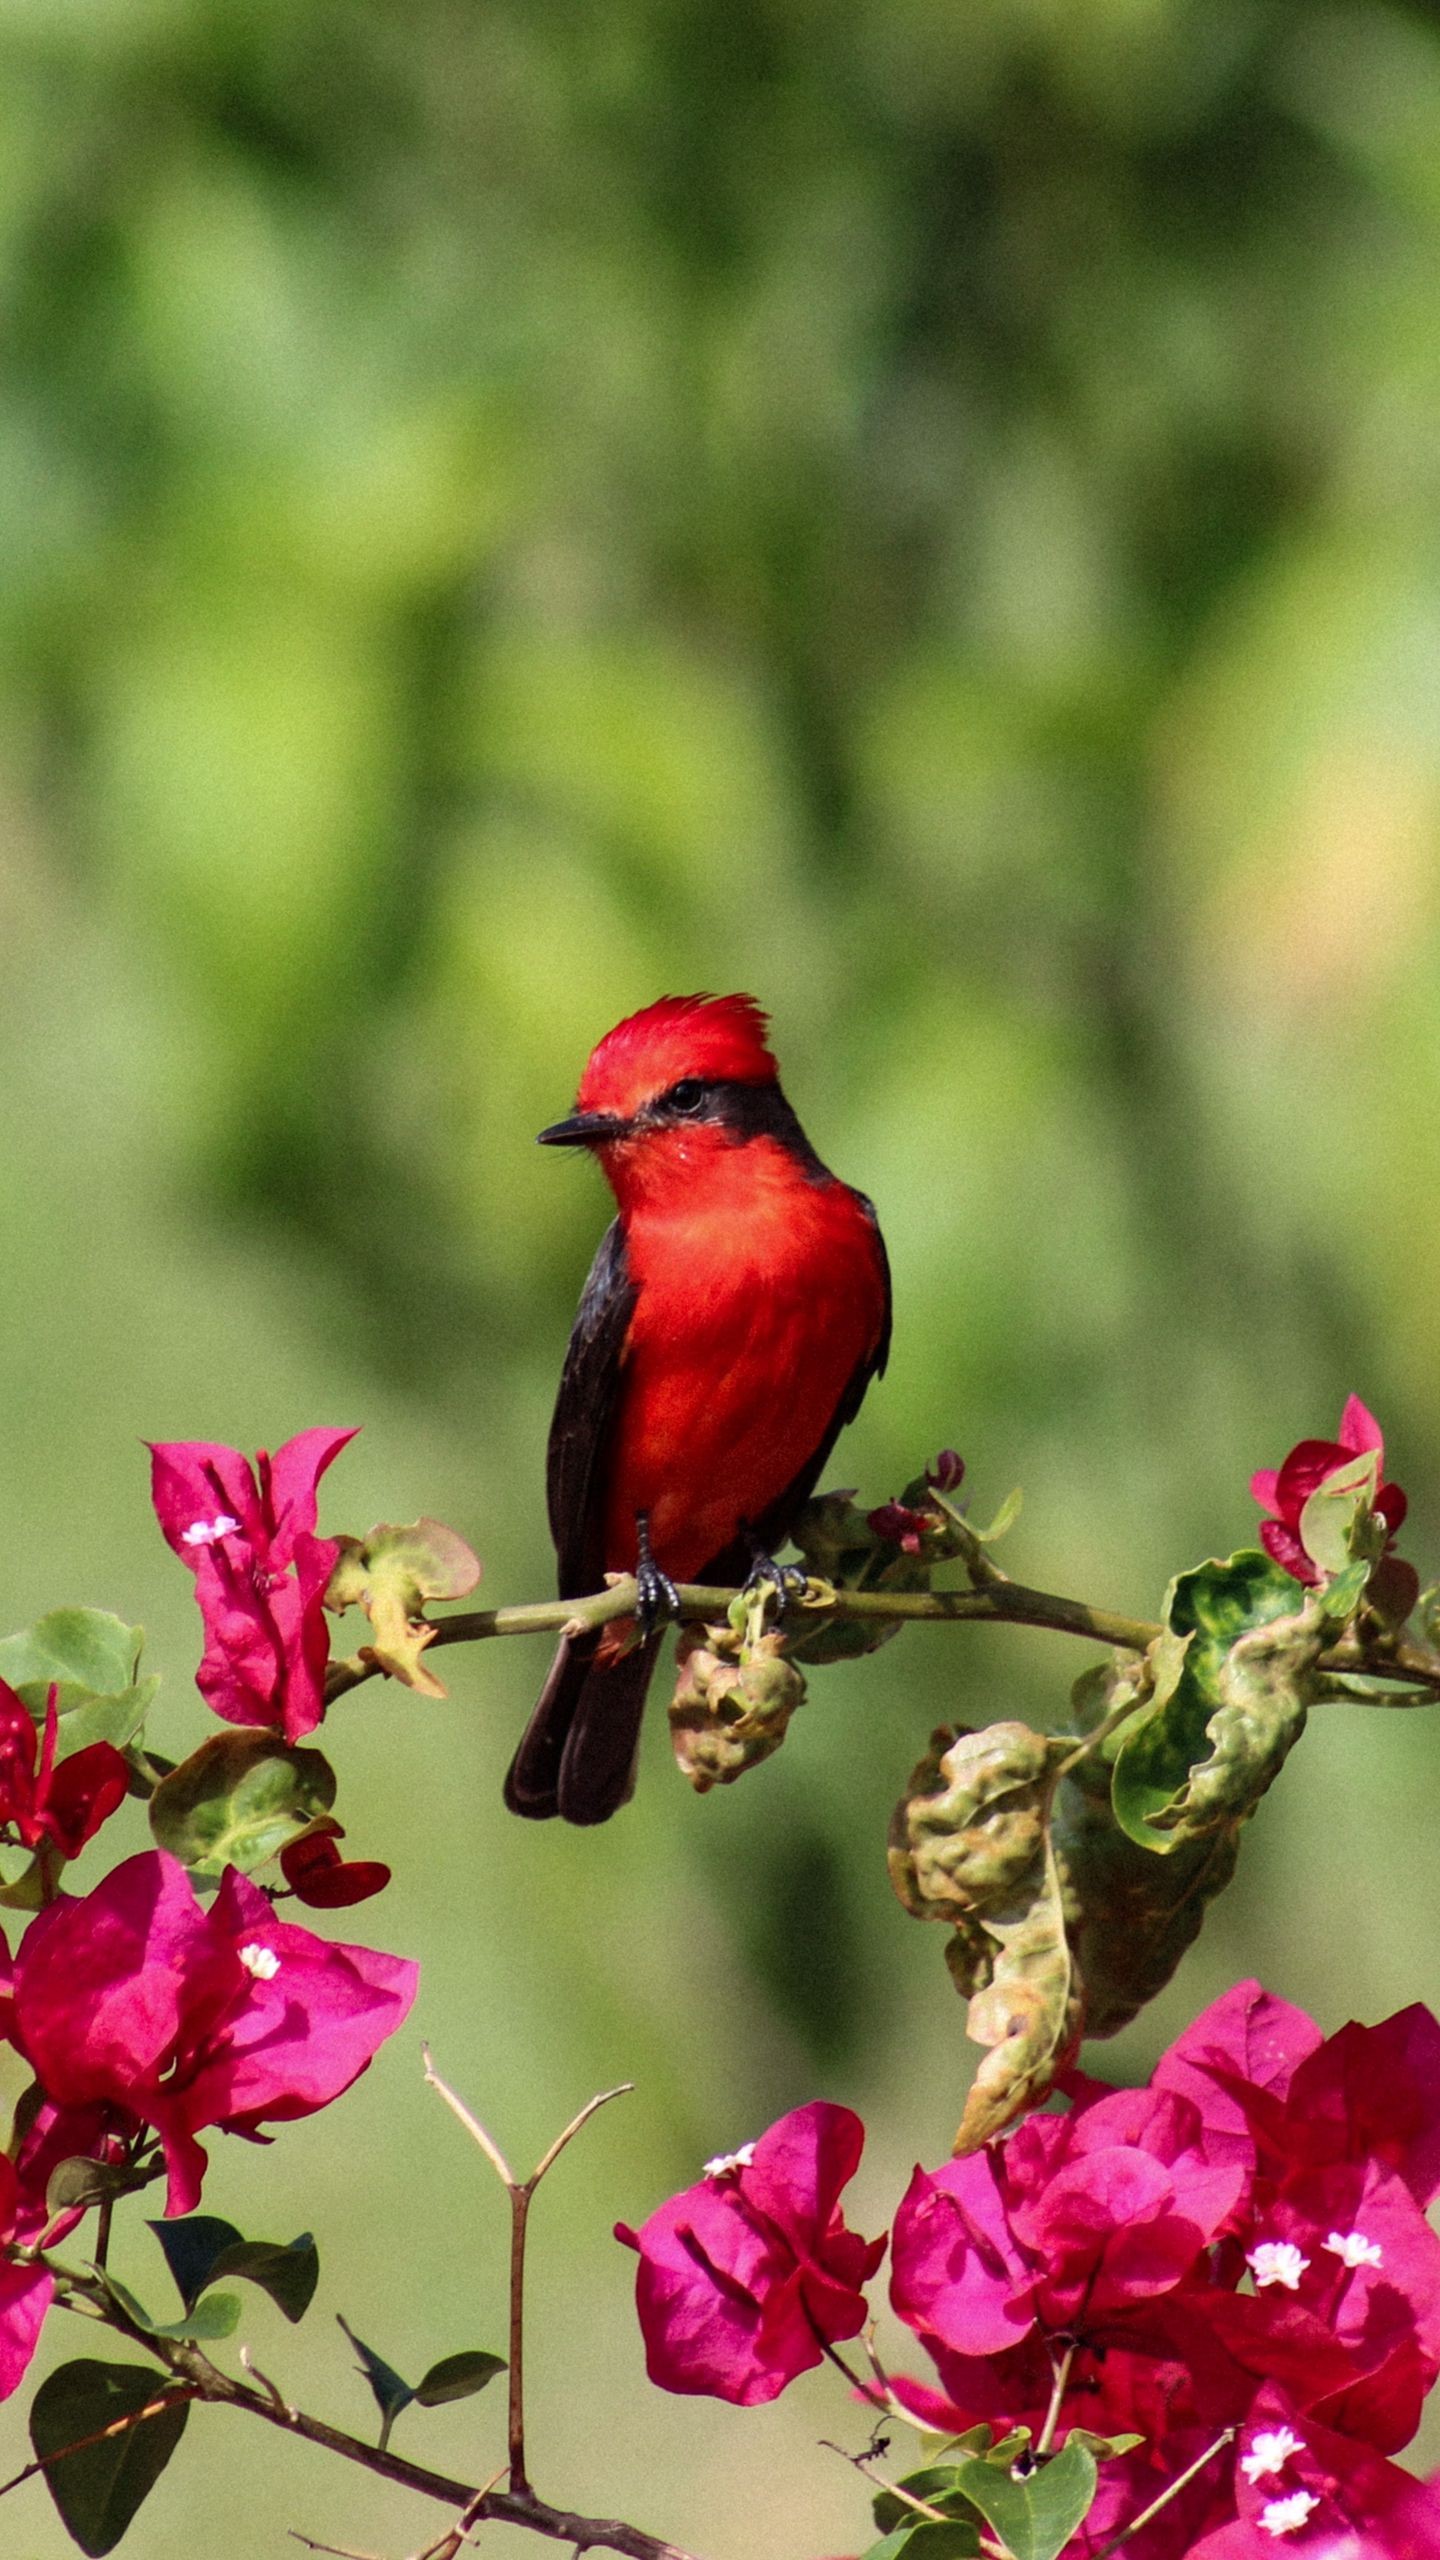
<point>586,1129</point>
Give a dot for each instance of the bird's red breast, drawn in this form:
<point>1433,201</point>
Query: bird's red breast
<point>760,1292</point>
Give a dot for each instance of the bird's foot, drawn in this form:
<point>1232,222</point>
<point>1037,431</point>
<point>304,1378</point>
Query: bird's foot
<point>656,1598</point>
<point>786,1581</point>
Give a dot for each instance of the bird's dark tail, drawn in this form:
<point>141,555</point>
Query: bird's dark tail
<point>577,1753</point>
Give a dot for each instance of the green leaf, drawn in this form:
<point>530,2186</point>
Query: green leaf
<point>238,1800</point>
<point>201,2249</point>
<point>213,2319</point>
<point>1035,2513</point>
<point>1104,2448</point>
<point>94,1659</point>
<point>1234,1681</point>
<point>937,2485</point>
<point>1330,1522</point>
<point>100,2487</point>
<point>922,2541</point>
<point>75,2184</point>
<point>456,2377</point>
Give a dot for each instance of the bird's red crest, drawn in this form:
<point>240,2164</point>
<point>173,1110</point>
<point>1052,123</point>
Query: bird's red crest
<point>719,1037</point>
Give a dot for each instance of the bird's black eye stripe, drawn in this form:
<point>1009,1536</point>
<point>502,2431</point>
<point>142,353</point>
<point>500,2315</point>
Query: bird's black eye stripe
<point>687,1097</point>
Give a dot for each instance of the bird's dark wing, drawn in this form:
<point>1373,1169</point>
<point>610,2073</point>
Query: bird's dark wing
<point>774,1525</point>
<point>584,1418</point>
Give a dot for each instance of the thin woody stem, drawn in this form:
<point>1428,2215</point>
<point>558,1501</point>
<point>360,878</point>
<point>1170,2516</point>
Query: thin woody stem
<point>998,1603</point>
<point>706,1604</point>
<point>1157,2505</point>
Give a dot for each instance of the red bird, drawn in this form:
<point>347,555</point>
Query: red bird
<point>736,1311</point>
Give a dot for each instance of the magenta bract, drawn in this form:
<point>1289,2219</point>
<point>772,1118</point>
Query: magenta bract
<point>260,1571</point>
<point>744,2276</point>
<point>1283,1492</point>
<point>63,1801</point>
<point>185,2017</point>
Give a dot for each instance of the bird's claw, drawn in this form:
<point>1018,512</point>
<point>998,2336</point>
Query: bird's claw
<point>656,1598</point>
<point>786,1581</point>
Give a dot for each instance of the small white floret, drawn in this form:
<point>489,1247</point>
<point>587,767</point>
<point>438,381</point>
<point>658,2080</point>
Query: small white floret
<point>205,1533</point>
<point>1277,2262</point>
<point>263,1962</point>
<point>730,2163</point>
<point>1354,2249</point>
<point>1287,2515</point>
<point>1269,2452</point>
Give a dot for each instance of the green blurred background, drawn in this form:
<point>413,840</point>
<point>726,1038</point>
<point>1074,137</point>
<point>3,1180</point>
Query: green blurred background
<point>928,513</point>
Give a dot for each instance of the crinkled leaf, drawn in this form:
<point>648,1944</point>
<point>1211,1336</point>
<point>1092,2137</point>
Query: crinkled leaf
<point>390,1575</point>
<point>457,2377</point>
<point>1131,1916</point>
<point>200,2250</point>
<point>1035,2513</point>
<point>1216,1735</point>
<point>101,2488</point>
<point>238,1799</point>
<point>93,1658</point>
<point>971,1823</point>
<point>1029,2012</point>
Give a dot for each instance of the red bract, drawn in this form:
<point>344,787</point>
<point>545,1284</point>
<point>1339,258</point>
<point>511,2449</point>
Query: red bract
<point>744,2277</point>
<point>317,1874</point>
<point>62,1801</point>
<point>260,1571</point>
<point>1284,1491</point>
<point>186,2017</point>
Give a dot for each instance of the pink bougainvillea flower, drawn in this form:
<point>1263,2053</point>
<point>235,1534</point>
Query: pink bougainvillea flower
<point>184,2017</point>
<point>62,1801</point>
<point>317,1874</point>
<point>746,2276</point>
<point>260,1571</point>
<point>1087,2213</point>
<point>1282,1492</point>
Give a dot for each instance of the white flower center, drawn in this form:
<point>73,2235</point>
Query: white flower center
<point>204,1533</point>
<point>1269,2452</point>
<point>1277,2262</point>
<point>263,1962</point>
<point>1287,2515</point>
<point>730,2163</point>
<point>1354,2249</point>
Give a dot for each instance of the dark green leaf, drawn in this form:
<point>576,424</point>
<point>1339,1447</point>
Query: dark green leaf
<point>392,2392</point>
<point>100,2487</point>
<point>456,2377</point>
<point>201,2249</point>
<point>238,1799</point>
<point>288,2274</point>
<point>192,2243</point>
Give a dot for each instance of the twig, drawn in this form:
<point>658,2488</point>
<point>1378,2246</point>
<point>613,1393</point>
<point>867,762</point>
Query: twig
<point>520,2191</point>
<point>1226,2436</point>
